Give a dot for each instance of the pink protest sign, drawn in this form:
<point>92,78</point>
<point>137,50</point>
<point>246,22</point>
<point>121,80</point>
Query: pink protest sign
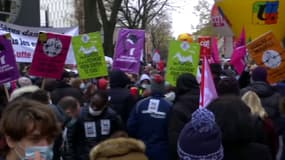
<point>8,66</point>
<point>50,55</point>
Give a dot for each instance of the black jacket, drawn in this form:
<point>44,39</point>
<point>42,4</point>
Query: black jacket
<point>70,141</point>
<point>121,102</point>
<point>183,108</point>
<point>270,99</point>
<point>91,130</point>
<point>249,151</point>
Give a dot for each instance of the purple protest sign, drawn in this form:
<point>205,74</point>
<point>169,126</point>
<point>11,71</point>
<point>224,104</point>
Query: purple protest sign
<point>129,50</point>
<point>8,68</point>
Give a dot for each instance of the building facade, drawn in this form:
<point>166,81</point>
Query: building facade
<point>58,13</point>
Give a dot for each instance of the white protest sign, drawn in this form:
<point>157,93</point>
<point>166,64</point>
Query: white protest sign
<point>24,40</point>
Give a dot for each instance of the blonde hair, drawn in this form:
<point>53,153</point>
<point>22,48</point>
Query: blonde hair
<point>253,102</point>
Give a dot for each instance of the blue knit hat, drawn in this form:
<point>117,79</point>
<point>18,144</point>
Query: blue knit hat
<point>201,138</point>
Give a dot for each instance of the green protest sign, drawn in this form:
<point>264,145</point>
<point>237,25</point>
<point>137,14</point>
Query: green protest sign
<point>89,55</point>
<point>183,58</point>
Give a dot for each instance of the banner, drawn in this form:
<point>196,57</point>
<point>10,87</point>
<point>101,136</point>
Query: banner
<point>220,23</point>
<point>129,50</point>
<point>24,40</point>
<point>8,67</point>
<point>207,89</point>
<point>183,58</point>
<point>266,51</point>
<point>50,55</point>
<point>89,55</point>
<point>215,50</point>
<point>205,43</point>
<point>256,16</point>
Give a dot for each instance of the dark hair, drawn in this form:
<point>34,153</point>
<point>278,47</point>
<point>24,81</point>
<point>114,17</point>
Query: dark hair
<point>228,86</point>
<point>103,95</point>
<point>234,118</point>
<point>20,114</point>
<point>68,102</point>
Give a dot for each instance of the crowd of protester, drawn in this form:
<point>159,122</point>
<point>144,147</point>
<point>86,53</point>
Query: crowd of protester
<point>142,117</point>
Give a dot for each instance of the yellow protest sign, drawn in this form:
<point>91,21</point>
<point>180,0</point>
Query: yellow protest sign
<point>266,51</point>
<point>257,16</point>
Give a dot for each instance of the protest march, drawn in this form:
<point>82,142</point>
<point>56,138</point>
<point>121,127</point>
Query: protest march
<point>213,94</point>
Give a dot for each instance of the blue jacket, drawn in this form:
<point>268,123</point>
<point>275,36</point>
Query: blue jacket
<point>149,122</point>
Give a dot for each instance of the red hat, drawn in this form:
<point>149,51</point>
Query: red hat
<point>102,84</point>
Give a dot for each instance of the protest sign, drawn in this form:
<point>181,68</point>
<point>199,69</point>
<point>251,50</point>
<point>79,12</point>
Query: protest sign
<point>205,49</point>
<point>129,50</point>
<point>8,67</point>
<point>24,40</point>
<point>50,55</point>
<point>266,51</point>
<point>89,55</point>
<point>183,58</point>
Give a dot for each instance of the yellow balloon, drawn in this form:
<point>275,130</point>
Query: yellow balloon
<point>257,16</point>
<point>185,37</point>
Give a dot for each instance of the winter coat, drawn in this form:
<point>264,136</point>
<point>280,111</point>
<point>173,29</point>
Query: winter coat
<point>91,130</point>
<point>270,99</point>
<point>70,141</point>
<point>149,122</point>
<point>267,134</point>
<point>249,151</point>
<point>119,149</point>
<point>183,108</point>
<point>121,102</point>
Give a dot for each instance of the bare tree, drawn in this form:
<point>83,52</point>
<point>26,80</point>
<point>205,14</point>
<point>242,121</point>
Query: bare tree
<point>160,30</point>
<point>140,13</point>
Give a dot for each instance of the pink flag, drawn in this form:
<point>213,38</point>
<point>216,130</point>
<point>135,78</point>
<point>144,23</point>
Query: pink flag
<point>215,50</point>
<point>207,89</point>
<point>242,39</point>
<point>237,59</point>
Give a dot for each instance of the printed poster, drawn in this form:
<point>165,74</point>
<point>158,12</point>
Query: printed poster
<point>267,52</point>
<point>205,49</point>
<point>183,58</point>
<point>129,50</point>
<point>89,55</point>
<point>50,55</point>
<point>8,67</point>
<point>24,40</point>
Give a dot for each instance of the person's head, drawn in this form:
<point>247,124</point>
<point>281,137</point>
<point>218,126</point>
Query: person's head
<point>145,81</point>
<point>119,149</point>
<point>234,118</point>
<point>201,138</point>
<point>24,81</point>
<point>157,84</point>
<point>103,84</point>
<point>118,79</point>
<point>185,83</point>
<point>228,86</point>
<point>98,103</point>
<point>259,74</point>
<point>71,106</point>
<point>27,124</point>
<point>253,102</point>
<point>76,82</point>
<point>31,92</point>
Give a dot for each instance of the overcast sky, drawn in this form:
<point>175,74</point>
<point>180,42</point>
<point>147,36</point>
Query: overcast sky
<point>183,18</point>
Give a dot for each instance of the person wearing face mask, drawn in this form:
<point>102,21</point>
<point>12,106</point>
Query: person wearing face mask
<point>71,107</point>
<point>98,122</point>
<point>29,128</point>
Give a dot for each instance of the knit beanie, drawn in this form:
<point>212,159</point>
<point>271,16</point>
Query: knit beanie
<point>201,138</point>
<point>157,84</point>
<point>102,84</point>
<point>259,74</point>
